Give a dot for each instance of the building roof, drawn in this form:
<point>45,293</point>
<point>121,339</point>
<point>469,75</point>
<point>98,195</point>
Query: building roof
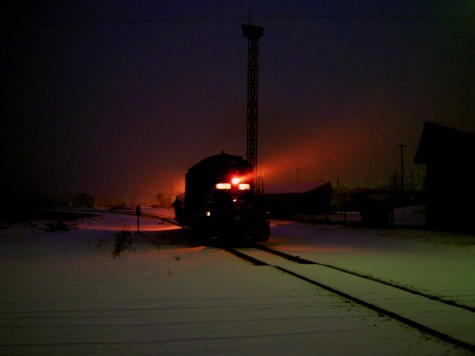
<point>443,142</point>
<point>293,188</point>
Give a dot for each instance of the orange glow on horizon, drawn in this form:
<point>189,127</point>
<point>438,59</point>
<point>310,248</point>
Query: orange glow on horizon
<point>330,153</point>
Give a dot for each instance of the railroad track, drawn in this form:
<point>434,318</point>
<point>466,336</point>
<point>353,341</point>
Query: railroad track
<point>142,215</point>
<point>446,320</point>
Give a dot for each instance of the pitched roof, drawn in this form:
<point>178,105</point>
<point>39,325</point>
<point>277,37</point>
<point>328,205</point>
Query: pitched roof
<point>297,187</point>
<point>442,142</point>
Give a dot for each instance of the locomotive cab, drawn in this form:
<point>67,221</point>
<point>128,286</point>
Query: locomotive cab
<point>220,200</point>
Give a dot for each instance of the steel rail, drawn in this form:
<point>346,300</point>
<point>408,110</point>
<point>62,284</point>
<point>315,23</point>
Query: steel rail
<point>427,329</point>
<point>374,279</point>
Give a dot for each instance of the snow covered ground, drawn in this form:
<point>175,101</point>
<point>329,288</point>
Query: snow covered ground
<point>64,292</point>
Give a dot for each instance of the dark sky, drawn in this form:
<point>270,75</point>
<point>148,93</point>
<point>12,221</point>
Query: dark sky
<point>120,98</point>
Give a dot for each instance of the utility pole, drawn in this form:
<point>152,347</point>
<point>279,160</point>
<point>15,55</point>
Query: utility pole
<point>252,33</point>
<point>401,147</point>
<point>137,212</point>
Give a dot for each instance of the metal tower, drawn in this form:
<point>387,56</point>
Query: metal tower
<point>253,33</point>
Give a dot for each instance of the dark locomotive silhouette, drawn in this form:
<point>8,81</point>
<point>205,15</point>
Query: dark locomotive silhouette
<point>221,201</point>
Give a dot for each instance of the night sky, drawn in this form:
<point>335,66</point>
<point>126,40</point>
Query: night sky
<point>119,98</point>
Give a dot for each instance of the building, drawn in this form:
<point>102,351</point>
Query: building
<point>82,200</point>
<point>448,152</point>
<point>293,199</point>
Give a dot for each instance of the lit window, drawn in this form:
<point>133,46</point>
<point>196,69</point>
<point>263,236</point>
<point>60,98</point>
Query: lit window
<point>244,186</point>
<point>223,186</point>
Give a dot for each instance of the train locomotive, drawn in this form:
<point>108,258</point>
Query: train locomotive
<point>221,202</point>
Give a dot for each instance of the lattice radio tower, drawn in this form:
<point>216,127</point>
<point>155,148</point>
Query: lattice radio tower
<point>253,33</point>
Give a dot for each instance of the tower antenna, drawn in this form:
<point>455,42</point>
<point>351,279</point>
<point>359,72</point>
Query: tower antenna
<point>252,33</point>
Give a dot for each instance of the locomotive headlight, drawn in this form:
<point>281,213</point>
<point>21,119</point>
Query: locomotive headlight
<point>236,183</point>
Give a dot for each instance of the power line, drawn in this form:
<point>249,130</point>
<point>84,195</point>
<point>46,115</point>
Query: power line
<point>105,22</point>
<point>369,17</point>
<point>241,18</point>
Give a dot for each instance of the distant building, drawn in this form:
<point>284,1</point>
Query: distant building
<point>289,200</point>
<point>82,200</point>
<point>448,152</point>
<point>375,205</point>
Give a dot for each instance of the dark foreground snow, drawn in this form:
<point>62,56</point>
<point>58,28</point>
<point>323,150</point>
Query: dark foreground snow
<point>65,292</point>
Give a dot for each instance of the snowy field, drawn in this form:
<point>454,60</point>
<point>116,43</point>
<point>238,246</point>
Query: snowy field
<point>64,291</point>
